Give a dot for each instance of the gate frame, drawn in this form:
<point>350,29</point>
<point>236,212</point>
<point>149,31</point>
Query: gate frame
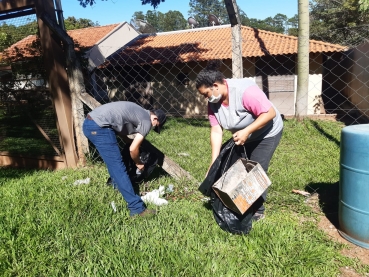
<point>57,79</point>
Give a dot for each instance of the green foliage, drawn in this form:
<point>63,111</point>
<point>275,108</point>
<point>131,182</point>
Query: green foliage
<point>293,24</point>
<point>200,10</point>
<point>153,3</point>
<point>338,21</point>
<point>364,5</point>
<point>163,22</point>
<point>280,23</point>
<point>10,34</point>
<point>51,227</point>
<point>72,23</point>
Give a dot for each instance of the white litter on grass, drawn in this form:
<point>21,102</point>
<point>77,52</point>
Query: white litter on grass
<point>113,206</point>
<point>205,199</point>
<point>153,197</point>
<point>184,154</point>
<point>64,178</point>
<point>83,181</point>
<point>170,188</point>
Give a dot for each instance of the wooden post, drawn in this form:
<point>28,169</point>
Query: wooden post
<point>301,105</point>
<point>76,86</point>
<point>58,82</point>
<point>237,64</point>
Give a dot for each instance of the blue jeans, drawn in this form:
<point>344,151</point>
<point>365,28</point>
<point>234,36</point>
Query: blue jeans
<point>106,143</point>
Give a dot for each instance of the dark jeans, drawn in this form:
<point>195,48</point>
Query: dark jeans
<point>106,143</point>
<point>262,151</point>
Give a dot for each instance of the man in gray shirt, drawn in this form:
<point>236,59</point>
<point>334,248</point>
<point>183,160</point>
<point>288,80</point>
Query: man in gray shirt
<point>123,118</point>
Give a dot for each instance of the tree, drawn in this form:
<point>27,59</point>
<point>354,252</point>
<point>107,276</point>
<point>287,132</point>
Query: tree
<point>293,25</point>
<point>10,34</point>
<point>138,16</point>
<point>163,22</point>
<point>174,21</point>
<point>200,10</point>
<point>280,22</point>
<point>72,23</point>
<point>341,21</point>
<point>154,3</point>
<point>364,5</point>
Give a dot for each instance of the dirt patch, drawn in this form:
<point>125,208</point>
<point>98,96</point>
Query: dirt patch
<point>352,250</point>
<point>348,272</point>
<point>326,205</point>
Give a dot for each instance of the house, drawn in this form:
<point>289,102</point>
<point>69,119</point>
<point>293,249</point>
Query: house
<point>160,69</point>
<point>96,43</point>
<point>26,96</point>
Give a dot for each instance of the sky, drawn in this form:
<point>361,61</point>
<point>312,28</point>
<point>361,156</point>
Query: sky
<point>116,11</point>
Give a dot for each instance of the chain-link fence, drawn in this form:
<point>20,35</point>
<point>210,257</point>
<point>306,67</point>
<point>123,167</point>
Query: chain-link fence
<point>27,117</point>
<point>346,74</point>
<point>159,71</point>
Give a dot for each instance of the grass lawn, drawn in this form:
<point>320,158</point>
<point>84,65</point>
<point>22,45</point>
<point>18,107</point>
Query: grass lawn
<point>51,227</point>
<point>20,135</point>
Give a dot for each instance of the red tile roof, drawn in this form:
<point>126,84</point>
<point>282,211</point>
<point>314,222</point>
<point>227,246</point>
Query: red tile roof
<point>83,38</point>
<point>211,43</point>
<point>88,37</point>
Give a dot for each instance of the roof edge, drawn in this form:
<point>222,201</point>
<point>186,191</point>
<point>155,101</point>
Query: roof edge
<point>120,25</point>
<point>193,30</point>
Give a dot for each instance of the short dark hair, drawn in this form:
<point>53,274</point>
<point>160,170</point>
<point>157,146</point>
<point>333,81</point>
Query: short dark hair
<point>210,74</point>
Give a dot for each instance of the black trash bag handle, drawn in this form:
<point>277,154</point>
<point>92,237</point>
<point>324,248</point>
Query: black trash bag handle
<point>230,154</point>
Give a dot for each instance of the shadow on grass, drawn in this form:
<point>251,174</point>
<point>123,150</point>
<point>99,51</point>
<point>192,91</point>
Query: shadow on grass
<point>328,199</point>
<point>7,173</point>
<point>324,133</point>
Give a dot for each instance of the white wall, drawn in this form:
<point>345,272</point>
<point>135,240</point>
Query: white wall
<point>116,39</point>
<point>314,94</point>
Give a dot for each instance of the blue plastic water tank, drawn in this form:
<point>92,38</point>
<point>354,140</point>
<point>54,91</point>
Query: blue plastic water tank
<point>353,211</point>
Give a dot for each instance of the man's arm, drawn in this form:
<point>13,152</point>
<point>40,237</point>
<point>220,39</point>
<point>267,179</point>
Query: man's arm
<point>134,150</point>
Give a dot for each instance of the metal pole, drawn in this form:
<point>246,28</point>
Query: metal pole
<point>59,12</point>
<point>234,18</point>
<point>301,104</point>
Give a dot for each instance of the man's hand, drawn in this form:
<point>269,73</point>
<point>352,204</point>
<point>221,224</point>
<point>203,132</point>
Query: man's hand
<point>134,150</point>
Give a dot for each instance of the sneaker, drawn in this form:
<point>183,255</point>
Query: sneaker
<point>147,213</point>
<point>257,217</point>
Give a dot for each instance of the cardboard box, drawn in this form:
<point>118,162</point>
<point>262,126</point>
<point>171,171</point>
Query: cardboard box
<point>241,185</point>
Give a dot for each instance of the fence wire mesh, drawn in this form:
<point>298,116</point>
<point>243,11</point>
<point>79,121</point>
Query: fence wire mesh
<point>159,71</point>
<point>27,117</point>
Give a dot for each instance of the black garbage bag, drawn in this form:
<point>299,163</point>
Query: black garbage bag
<point>227,219</point>
<point>148,158</point>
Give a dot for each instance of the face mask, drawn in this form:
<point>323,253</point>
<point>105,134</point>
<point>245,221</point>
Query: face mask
<point>213,99</point>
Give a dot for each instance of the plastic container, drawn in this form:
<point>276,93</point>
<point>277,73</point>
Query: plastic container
<point>353,213</point>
